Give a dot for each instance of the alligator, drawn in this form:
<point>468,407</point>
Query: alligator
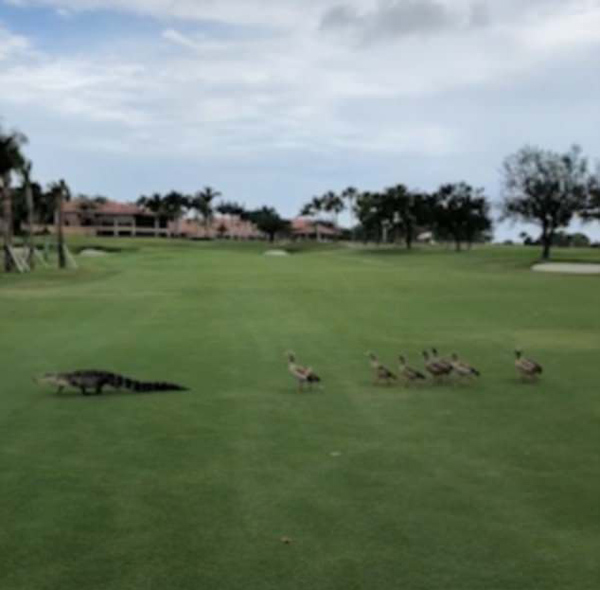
<point>95,381</point>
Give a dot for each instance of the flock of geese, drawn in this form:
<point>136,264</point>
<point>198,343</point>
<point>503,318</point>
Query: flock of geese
<point>439,368</point>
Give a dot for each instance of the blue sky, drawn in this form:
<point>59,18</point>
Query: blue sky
<point>273,101</point>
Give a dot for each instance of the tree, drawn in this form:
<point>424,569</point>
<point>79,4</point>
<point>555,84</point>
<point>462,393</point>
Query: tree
<point>405,211</point>
<point>60,193</point>
<point>546,188</point>
<point>28,198</point>
<point>231,208</point>
<point>202,203</point>
<point>370,212</point>
<point>592,206</point>
<point>43,204</point>
<point>174,204</point>
<point>268,221</point>
<point>11,160</point>
<point>313,209</point>
<point>395,212</point>
<point>461,213</point>
<point>333,204</point>
<point>153,203</point>
<point>350,195</point>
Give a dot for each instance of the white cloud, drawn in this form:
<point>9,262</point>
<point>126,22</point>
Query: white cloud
<point>292,89</point>
<point>191,92</point>
<point>12,46</point>
<point>277,12</point>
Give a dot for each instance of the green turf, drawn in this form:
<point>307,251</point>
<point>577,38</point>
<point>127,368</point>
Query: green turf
<point>490,487</point>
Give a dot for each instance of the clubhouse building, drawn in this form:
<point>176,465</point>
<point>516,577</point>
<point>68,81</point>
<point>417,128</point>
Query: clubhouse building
<point>111,218</point>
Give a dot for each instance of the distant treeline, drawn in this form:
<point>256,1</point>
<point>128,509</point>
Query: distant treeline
<point>540,186</point>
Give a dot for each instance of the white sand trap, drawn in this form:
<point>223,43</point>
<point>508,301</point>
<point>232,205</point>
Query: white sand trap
<point>568,267</point>
<point>276,253</point>
<point>92,252</point>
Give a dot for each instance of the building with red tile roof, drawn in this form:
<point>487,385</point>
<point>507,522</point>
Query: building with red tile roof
<point>307,229</point>
<point>110,218</point>
<point>228,227</point>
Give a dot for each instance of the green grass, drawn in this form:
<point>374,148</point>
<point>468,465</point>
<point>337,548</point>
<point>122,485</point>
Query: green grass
<point>490,487</point>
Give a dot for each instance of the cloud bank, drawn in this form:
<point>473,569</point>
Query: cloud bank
<point>356,83</point>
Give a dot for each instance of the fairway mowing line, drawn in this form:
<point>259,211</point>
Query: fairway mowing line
<point>69,294</point>
<point>350,256</point>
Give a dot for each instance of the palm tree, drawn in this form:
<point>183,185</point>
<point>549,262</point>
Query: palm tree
<point>201,202</point>
<point>175,203</point>
<point>351,194</point>
<point>60,193</point>
<point>155,204</point>
<point>11,159</point>
<point>333,204</point>
<point>26,176</point>
<point>312,209</point>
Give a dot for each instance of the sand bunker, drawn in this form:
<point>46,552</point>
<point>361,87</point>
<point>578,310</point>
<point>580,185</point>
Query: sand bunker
<point>93,252</point>
<point>568,267</point>
<point>276,253</point>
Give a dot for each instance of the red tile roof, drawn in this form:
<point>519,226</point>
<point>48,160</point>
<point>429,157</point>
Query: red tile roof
<point>108,208</point>
<point>302,225</point>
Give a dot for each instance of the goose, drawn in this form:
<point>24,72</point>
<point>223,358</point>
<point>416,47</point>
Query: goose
<point>382,373</point>
<point>434,367</point>
<point>410,375</point>
<point>463,369</point>
<point>526,367</point>
<point>301,374</point>
<point>445,363</point>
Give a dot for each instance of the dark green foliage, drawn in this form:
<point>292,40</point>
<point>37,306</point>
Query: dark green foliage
<point>591,210</point>
<point>175,204</point>
<point>268,221</point>
<point>172,205</point>
<point>460,213</point>
<point>203,203</point>
<point>547,188</point>
<point>231,208</point>
<point>42,202</point>
<point>11,161</point>
<point>153,203</point>
<point>11,155</point>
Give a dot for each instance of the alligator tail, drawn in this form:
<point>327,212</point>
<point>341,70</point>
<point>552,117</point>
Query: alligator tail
<point>154,386</point>
<point>134,385</point>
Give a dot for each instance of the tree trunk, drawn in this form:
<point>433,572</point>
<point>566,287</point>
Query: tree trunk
<point>6,221</point>
<point>30,244</point>
<point>384,234</point>
<point>546,250</point>
<point>62,260</point>
<point>457,245</point>
<point>546,243</point>
<point>409,238</point>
